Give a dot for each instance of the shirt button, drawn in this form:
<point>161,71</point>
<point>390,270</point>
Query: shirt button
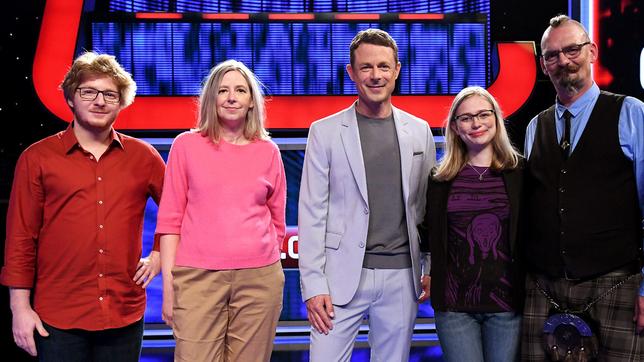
<point>561,233</point>
<point>562,210</point>
<point>100,178</point>
<point>100,226</point>
<point>91,157</point>
<point>366,211</point>
<point>563,170</point>
<point>100,202</point>
<point>563,252</point>
<point>100,251</point>
<point>100,298</point>
<point>361,245</point>
<point>562,189</point>
<point>100,275</point>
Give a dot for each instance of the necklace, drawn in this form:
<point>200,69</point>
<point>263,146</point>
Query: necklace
<point>477,172</point>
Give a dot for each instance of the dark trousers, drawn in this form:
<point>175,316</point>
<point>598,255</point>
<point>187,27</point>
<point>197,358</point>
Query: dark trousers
<point>71,345</point>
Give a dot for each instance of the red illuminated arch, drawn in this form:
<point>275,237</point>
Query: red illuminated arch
<point>55,52</point>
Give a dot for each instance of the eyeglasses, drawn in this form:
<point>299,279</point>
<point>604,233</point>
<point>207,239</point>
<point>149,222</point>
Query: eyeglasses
<point>482,116</point>
<point>571,52</point>
<point>90,94</point>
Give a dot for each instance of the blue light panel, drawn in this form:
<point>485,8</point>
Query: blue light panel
<point>429,58</point>
<point>115,39</point>
<point>191,56</point>
<point>272,56</point>
<point>291,58</point>
<point>232,41</point>
<point>294,58</point>
<point>152,53</point>
<point>373,6</point>
<point>312,59</point>
<point>466,56</point>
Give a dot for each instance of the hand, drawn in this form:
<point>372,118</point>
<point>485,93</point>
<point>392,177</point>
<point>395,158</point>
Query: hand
<point>25,320</point>
<point>147,269</point>
<point>638,318</point>
<point>425,282</point>
<point>168,303</point>
<point>320,312</point>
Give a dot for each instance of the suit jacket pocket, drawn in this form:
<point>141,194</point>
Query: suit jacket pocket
<point>332,240</point>
<point>415,175</point>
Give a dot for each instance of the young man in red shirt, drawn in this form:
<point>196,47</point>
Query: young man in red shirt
<point>74,226</point>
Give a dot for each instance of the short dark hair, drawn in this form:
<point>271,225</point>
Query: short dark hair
<point>375,37</point>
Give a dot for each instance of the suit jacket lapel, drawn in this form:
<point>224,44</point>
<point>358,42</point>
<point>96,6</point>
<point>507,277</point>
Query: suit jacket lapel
<point>351,141</point>
<point>406,150</point>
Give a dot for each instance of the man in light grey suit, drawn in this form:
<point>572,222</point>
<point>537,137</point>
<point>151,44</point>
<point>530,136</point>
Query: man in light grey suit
<point>361,198</point>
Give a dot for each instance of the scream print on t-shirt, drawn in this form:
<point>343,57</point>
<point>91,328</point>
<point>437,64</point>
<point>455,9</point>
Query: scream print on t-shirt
<point>478,253</point>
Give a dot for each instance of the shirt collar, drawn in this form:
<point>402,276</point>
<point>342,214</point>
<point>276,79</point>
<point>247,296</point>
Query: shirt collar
<point>580,104</point>
<point>70,141</point>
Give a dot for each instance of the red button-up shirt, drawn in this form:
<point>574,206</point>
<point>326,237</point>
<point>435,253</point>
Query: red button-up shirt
<point>74,229</point>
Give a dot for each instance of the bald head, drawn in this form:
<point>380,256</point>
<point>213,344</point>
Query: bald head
<point>567,56</point>
<point>563,21</point>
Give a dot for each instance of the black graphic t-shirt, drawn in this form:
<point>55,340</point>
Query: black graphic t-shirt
<point>478,264</point>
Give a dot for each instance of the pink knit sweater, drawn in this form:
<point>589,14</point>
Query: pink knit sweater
<point>227,202</point>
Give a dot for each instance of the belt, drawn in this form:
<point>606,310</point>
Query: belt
<point>624,270</point>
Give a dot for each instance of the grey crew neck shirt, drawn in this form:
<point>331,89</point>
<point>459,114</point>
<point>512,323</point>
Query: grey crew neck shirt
<point>387,237</point>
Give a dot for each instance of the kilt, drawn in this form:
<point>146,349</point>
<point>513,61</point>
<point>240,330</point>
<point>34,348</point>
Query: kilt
<point>613,315</point>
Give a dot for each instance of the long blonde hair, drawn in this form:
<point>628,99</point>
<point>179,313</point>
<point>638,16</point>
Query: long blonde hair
<point>504,155</point>
<point>208,122</point>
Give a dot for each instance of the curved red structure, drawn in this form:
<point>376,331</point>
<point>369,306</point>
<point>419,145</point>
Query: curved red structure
<point>55,52</point>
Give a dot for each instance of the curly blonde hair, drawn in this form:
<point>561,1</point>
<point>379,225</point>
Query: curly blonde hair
<point>92,63</point>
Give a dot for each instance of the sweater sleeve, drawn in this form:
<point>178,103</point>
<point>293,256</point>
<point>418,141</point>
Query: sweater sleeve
<point>155,183</point>
<point>175,189</point>
<point>277,199</point>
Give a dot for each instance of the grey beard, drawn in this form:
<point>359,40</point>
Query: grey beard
<point>570,86</point>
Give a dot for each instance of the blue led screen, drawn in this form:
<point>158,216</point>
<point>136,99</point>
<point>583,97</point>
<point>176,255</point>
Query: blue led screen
<point>291,58</point>
<point>246,6</point>
<point>312,59</point>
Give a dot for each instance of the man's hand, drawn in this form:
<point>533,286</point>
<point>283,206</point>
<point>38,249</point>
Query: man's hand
<point>25,320</point>
<point>320,312</point>
<point>147,269</point>
<point>638,318</point>
<point>425,281</point>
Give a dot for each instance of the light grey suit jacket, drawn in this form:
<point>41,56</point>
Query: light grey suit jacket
<point>333,214</point>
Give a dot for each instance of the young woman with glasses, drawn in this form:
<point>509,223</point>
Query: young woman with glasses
<point>472,219</point>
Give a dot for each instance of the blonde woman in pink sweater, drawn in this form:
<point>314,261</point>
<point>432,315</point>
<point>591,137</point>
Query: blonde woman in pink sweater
<point>221,221</point>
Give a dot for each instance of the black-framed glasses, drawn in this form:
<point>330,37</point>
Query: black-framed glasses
<point>482,116</point>
<point>89,94</point>
<point>571,52</point>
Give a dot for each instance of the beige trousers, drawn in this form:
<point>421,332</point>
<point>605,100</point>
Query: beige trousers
<point>226,315</point>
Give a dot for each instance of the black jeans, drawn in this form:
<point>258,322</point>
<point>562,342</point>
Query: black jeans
<point>71,345</point>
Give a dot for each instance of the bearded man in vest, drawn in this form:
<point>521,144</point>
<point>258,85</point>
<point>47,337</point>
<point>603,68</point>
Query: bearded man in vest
<point>584,201</point>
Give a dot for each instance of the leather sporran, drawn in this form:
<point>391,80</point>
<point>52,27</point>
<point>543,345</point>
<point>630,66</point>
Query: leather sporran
<point>570,337</point>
